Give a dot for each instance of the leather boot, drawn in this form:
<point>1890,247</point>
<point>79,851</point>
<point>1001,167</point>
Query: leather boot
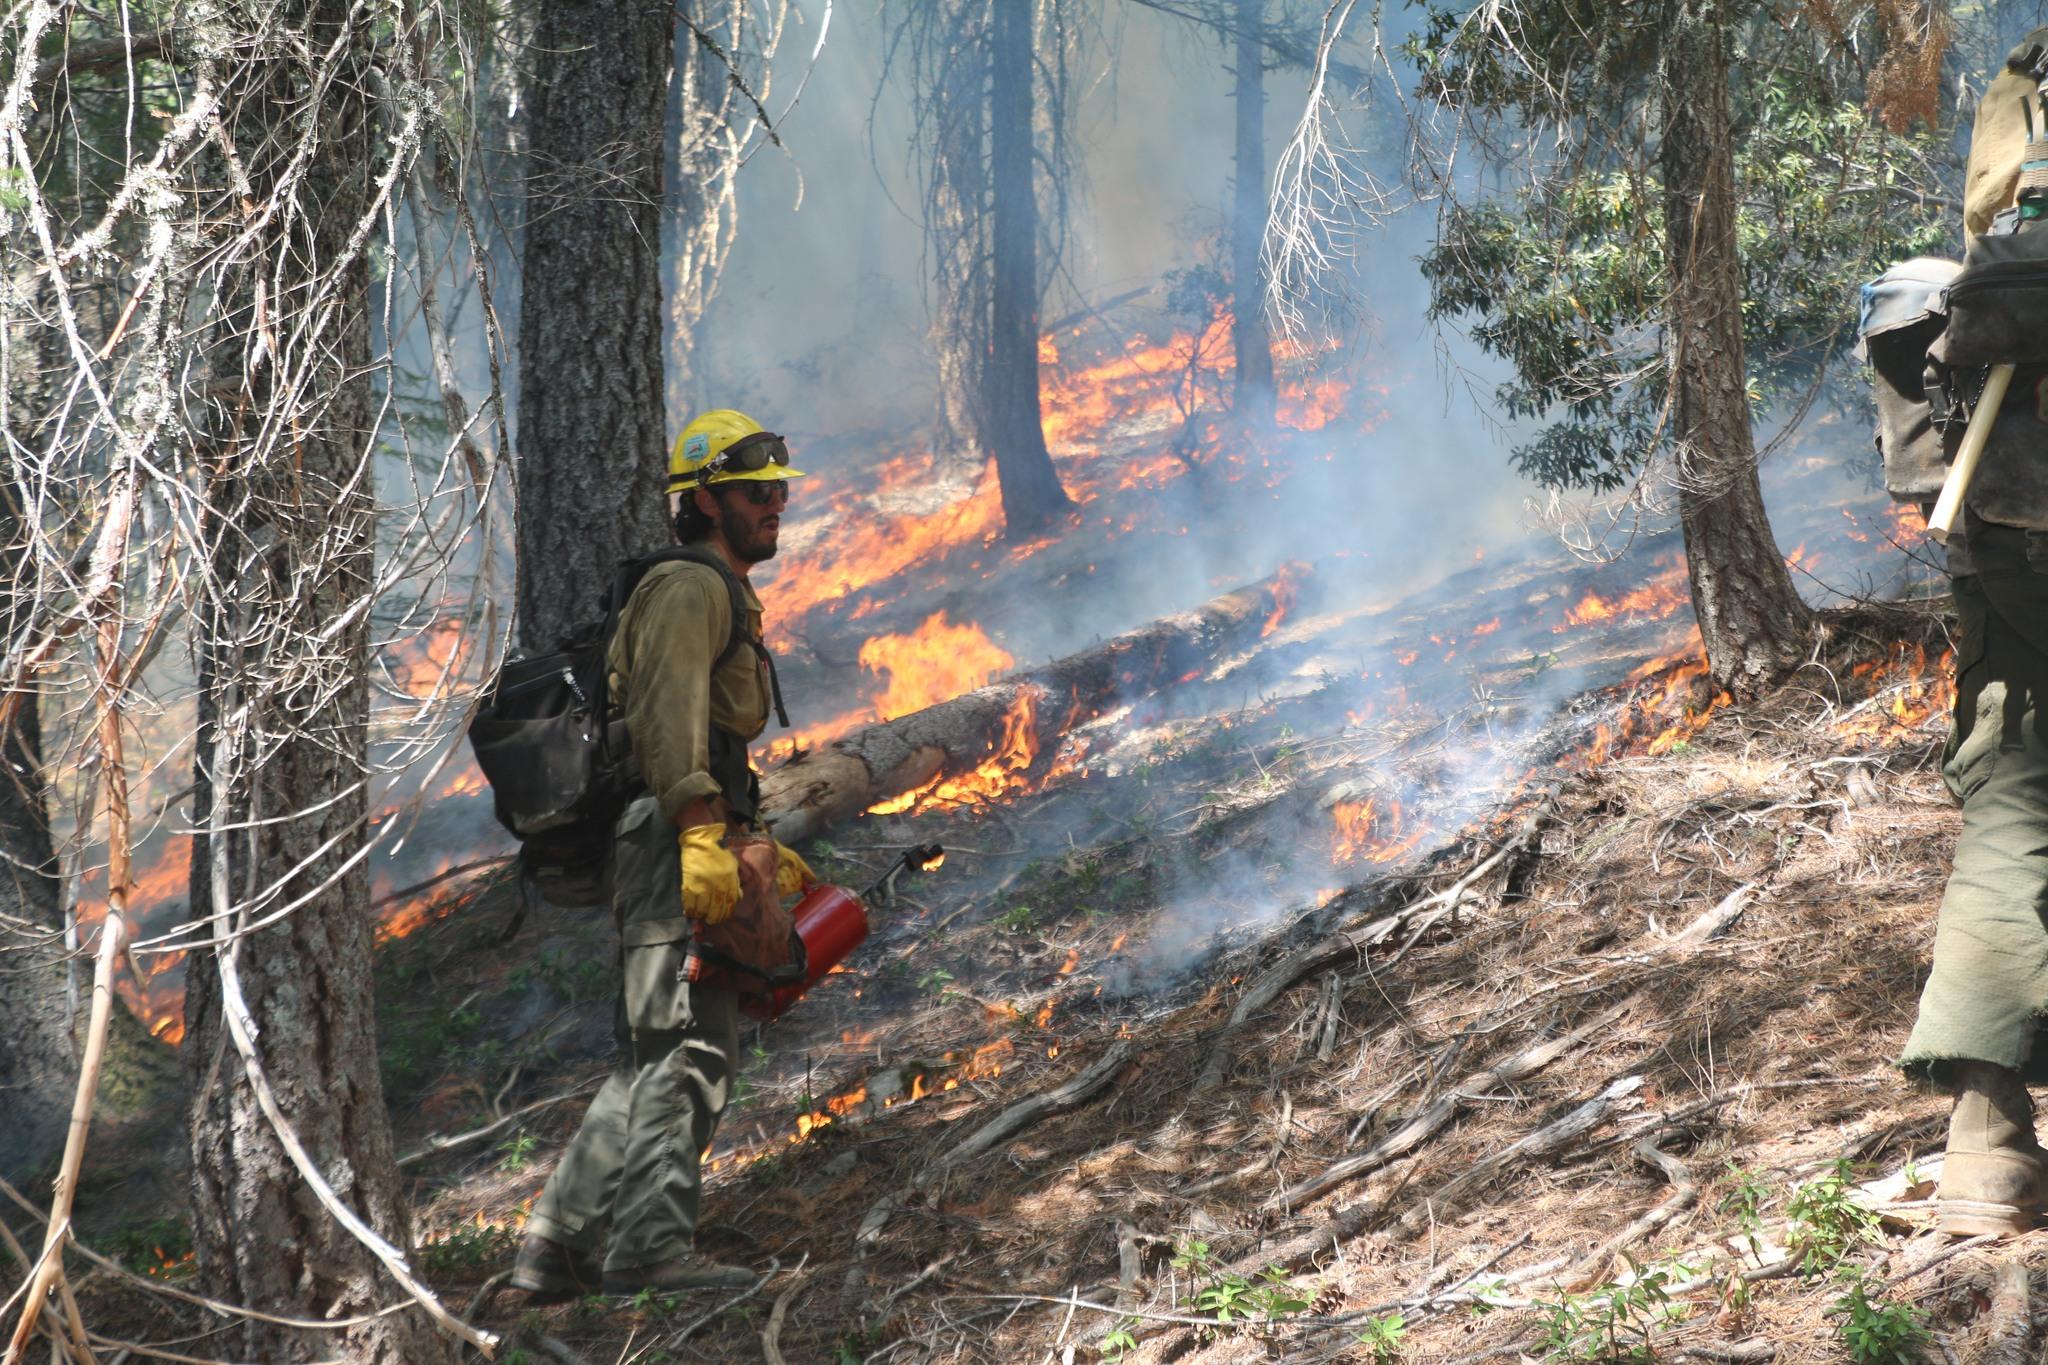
<point>678,1277</point>
<point>1992,1177</point>
<point>550,1272</point>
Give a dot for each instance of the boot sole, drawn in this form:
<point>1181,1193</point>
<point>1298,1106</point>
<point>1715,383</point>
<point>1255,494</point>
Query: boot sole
<point>626,1288</point>
<point>1975,1218</point>
<point>540,1287</point>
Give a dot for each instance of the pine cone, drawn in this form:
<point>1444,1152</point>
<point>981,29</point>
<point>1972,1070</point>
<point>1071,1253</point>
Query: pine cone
<point>1327,1302</point>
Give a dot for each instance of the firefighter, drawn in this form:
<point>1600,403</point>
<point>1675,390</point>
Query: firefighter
<point>620,1211</point>
<point>1980,1018</point>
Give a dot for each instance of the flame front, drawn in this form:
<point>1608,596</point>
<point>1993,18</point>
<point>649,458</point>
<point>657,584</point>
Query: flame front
<point>931,664</point>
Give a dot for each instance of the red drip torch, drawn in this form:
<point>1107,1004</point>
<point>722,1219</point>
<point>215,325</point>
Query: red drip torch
<point>832,922</point>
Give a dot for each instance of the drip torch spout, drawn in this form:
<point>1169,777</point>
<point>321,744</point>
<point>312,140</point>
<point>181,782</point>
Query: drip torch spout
<point>922,858</point>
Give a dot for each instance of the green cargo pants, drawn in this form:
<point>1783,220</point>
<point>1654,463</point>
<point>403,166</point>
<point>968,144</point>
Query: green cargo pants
<point>1987,995</point>
<point>631,1170</point>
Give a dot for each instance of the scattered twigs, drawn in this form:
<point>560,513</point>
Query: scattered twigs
<point>2007,1334</point>
<point>1263,1164</point>
<point>1684,1191</point>
<point>48,1270</point>
<point>1351,945</point>
<point>1001,1129</point>
<point>1545,1140</point>
<point>882,1310</point>
<point>696,1324</point>
<point>449,1142</point>
<point>1031,1110</point>
<point>771,1331</point>
<point>1718,920</point>
<point>1439,1114</point>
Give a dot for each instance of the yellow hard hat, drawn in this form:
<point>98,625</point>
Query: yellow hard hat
<point>723,446</point>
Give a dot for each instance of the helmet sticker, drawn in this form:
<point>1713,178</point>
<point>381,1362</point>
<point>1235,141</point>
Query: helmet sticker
<point>696,448</point>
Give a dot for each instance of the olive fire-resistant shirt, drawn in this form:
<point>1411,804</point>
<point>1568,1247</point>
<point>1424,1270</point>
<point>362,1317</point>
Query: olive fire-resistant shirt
<point>674,625</point>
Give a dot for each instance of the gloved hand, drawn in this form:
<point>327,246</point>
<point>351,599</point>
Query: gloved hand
<point>793,876</point>
<point>711,875</point>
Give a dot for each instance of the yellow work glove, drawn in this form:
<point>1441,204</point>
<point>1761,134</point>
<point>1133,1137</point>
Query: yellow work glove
<point>711,875</point>
<point>793,876</point>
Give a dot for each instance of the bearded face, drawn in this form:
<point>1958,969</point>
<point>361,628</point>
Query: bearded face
<point>749,528</point>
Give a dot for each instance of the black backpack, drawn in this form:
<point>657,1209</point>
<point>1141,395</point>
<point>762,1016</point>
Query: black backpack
<point>560,765</point>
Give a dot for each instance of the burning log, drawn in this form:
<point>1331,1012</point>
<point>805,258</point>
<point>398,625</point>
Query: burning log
<point>1016,720</point>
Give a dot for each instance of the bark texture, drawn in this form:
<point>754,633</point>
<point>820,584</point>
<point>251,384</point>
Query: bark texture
<point>593,448</point>
<point>956,227</point>
<point>37,1067</point>
<point>1250,339</point>
<point>1032,496</point>
<point>807,794</point>
<point>1750,617</point>
<point>282,745</point>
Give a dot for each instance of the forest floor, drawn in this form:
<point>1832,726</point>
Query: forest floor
<point>1608,1075</point>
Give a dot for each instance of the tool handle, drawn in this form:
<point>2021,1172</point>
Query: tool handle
<point>883,891</point>
<point>1948,508</point>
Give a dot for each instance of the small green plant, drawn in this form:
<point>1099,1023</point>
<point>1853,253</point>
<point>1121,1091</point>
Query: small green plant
<point>1827,1223</point>
<point>516,1153</point>
<point>1383,1337</point>
<point>1233,1299</point>
<point>468,1247</point>
<point>1746,1197</point>
<point>937,981</point>
<point>1876,1331</point>
<point>1018,919</point>
<point>1617,1322</point>
<point>1489,1292</point>
<point>1193,1257</point>
<point>1119,1341</point>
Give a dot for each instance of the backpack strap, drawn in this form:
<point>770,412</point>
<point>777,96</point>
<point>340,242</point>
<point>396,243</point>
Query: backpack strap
<point>633,570</point>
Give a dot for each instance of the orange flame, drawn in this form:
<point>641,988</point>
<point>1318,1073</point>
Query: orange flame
<point>1657,600</point>
<point>1369,831</point>
<point>1004,773</point>
<point>936,661</point>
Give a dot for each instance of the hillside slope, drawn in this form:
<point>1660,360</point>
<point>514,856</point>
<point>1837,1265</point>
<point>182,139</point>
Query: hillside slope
<point>1585,1082</point>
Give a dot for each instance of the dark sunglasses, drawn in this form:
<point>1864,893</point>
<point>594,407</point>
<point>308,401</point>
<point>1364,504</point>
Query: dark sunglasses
<point>747,455</point>
<point>761,492</point>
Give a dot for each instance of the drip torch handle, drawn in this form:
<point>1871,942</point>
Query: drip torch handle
<point>883,890</point>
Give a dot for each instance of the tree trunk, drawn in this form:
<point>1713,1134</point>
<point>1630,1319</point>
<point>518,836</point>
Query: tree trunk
<point>282,747</point>
<point>1253,396</point>
<point>1751,619</point>
<point>37,1067</point>
<point>1015,435</point>
<point>957,228</point>
<point>593,446</point>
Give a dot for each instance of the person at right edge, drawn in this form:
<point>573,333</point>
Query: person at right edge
<point>1982,1009</point>
<point>620,1210</point>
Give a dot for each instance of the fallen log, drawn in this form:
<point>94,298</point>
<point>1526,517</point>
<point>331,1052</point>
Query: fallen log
<point>1035,707</point>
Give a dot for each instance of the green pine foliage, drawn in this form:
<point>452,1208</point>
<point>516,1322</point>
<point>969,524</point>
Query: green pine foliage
<point>1558,266</point>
